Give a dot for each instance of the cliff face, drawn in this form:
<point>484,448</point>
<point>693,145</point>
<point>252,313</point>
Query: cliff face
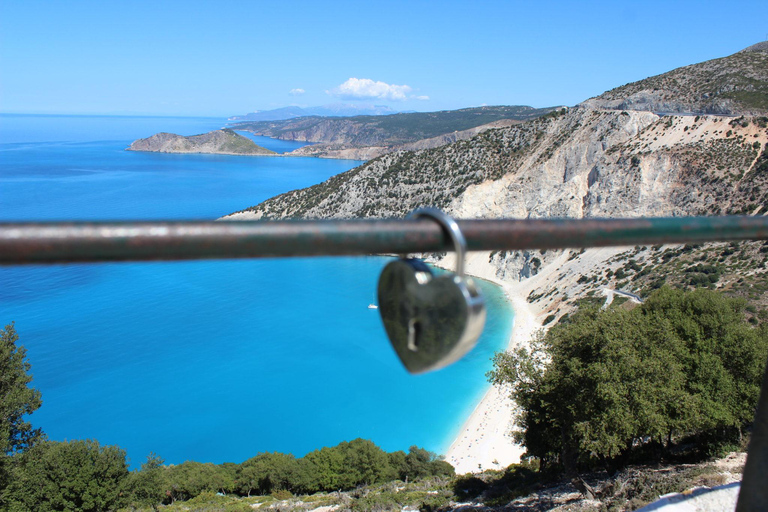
<point>364,137</point>
<point>369,152</point>
<point>225,142</point>
<point>583,162</point>
<point>580,164</point>
<point>733,85</point>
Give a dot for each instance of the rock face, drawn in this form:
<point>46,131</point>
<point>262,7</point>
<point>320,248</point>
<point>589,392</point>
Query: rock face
<point>369,152</point>
<point>365,137</point>
<point>579,162</point>
<point>584,163</point>
<point>733,85</point>
<point>223,142</point>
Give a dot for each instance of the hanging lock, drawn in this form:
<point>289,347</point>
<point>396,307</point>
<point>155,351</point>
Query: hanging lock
<point>431,320</point>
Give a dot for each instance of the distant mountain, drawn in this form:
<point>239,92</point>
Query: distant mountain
<point>733,85</point>
<point>333,110</point>
<point>222,142</point>
<point>386,131</point>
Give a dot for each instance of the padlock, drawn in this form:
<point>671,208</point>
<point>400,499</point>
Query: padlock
<point>431,320</point>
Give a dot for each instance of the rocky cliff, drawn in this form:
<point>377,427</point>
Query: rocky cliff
<point>344,151</point>
<point>579,162</point>
<point>224,142</point>
<point>365,137</point>
<point>733,85</point>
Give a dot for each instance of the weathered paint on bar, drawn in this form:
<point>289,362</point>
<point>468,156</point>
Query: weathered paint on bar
<point>25,243</point>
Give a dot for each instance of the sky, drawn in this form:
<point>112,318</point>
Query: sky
<point>224,58</point>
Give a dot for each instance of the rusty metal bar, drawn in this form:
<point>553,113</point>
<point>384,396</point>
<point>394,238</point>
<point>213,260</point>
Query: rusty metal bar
<point>24,243</point>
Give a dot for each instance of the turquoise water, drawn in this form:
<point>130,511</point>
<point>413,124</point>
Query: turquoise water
<point>209,361</point>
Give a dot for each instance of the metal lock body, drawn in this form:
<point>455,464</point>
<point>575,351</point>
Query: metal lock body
<point>431,320</point>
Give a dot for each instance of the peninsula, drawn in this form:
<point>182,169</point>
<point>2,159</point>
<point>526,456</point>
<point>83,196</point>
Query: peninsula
<point>221,142</point>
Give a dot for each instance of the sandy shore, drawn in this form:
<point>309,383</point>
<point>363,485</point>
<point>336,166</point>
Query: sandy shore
<point>485,441</point>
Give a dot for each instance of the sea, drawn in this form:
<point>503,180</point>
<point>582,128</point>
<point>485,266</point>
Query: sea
<point>212,361</point>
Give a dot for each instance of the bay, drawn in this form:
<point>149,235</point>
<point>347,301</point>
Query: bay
<point>212,361</point>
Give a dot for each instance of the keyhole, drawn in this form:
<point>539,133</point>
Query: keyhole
<point>414,330</point>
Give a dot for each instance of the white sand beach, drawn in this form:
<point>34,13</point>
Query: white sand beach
<point>485,441</point>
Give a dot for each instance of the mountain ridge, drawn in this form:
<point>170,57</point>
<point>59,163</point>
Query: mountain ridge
<point>732,85</point>
<point>586,161</point>
<point>387,133</point>
<point>332,110</point>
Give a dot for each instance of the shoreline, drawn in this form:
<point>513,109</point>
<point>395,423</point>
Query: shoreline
<point>484,441</point>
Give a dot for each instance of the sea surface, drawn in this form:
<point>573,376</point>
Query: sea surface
<point>213,361</point>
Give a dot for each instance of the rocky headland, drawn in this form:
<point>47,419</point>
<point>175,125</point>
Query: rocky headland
<point>221,142</point>
<point>367,137</point>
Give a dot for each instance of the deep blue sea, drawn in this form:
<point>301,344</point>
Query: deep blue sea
<point>211,361</point>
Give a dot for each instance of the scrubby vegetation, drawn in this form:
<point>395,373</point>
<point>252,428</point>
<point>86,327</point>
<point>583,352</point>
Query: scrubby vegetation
<point>700,88</point>
<point>607,387</point>
<point>390,129</point>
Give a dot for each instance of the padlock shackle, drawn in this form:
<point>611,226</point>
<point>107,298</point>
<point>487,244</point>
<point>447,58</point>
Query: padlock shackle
<point>450,225</point>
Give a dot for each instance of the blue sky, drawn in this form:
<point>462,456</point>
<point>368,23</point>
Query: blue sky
<point>225,58</point>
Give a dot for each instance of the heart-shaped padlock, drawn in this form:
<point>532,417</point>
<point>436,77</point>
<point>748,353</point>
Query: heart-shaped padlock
<point>431,320</point>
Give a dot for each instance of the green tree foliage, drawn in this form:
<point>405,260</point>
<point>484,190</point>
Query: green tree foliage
<point>419,463</point>
<point>17,399</point>
<point>190,479</point>
<point>74,475</point>
<point>147,486</point>
<point>682,363</point>
<point>267,472</point>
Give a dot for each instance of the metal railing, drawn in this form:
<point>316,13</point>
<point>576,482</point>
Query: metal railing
<point>51,242</point>
<point>67,242</point>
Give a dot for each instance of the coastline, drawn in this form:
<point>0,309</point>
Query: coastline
<point>484,441</point>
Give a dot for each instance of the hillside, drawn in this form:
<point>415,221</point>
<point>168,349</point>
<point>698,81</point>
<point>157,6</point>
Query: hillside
<point>223,142</point>
<point>369,152</point>
<point>384,132</point>
<point>335,110</point>
<point>581,162</point>
<point>733,85</point>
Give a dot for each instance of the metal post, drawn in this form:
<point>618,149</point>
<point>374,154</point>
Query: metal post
<point>753,496</point>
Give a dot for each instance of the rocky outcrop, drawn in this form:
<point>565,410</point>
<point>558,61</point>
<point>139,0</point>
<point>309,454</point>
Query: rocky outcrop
<point>369,152</point>
<point>365,137</point>
<point>582,162</point>
<point>223,142</point>
<point>733,85</point>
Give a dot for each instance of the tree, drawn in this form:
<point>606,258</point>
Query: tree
<point>267,472</point>
<point>73,475</point>
<point>682,363</point>
<point>17,399</point>
<point>420,463</point>
<point>146,485</point>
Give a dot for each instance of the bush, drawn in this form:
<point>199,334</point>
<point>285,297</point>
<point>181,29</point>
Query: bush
<point>468,487</point>
<point>73,475</point>
<point>593,388</point>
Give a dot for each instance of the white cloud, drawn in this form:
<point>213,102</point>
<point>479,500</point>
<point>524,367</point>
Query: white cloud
<point>422,97</point>
<point>365,88</point>
<point>296,92</point>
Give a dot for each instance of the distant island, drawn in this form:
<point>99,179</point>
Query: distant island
<point>221,142</point>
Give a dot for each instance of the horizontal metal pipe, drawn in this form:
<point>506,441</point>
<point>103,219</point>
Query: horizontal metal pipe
<point>63,242</point>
